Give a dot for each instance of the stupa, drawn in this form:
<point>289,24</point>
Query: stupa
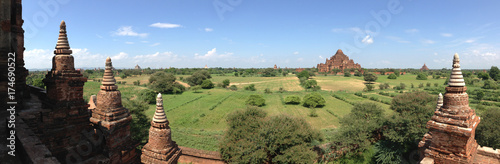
<point>160,147</point>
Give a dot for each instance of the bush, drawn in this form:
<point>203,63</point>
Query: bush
<point>198,77</point>
<point>402,85</point>
<point>225,83</point>
<point>412,86</point>
<point>256,100</point>
<point>148,96</point>
<point>165,83</point>
<point>313,113</point>
<point>392,76</point>
<point>369,87</point>
<point>196,89</point>
<point>347,74</point>
<point>250,87</point>
<point>267,90</point>
<point>137,82</point>
<point>422,76</point>
<point>313,100</point>
<point>233,88</point>
<point>370,77</point>
<point>303,74</point>
<point>207,84</point>
<point>309,84</point>
<point>421,85</point>
<point>489,84</point>
<point>488,131</point>
<point>436,84</point>
<point>293,99</point>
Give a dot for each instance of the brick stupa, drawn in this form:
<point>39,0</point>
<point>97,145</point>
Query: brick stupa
<point>113,120</point>
<point>160,147</point>
<point>452,128</point>
<point>338,61</point>
<point>67,114</point>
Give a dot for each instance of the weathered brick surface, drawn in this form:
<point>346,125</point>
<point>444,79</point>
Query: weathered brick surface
<point>338,61</point>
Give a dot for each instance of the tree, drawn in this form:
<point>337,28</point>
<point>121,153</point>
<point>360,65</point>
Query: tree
<point>207,84</point>
<point>479,95</point>
<point>165,83</point>
<point>293,99</point>
<point>256,100</point>
<point>268,72</point>
<point>488,131</point>
<point>494,73</point>
<point>313,100</point>
<point>140,123</point>
<point>148,96</point>
<point>233,88</point>
<point>254,138</point>
<point>402,85</point>
<point>392,76</point>
<point>250,87</point>
<point>483,75</point>
<point>369,87</point>
<point>304,74</point>
<point>422,76</point>
<point>358,129</point>
<point>370,77</point>
<point>488,84</point>
<point>198,77</point>
<point>225,83</point>
<point>196,88</point>
<point>407,125</point>
<point>308,84</point>
<point>347,74</point>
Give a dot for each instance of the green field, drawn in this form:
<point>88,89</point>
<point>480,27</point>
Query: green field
<point>198,120</point>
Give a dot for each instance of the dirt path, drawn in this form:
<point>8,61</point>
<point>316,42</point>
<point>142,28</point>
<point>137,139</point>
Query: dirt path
<point>183,83</point>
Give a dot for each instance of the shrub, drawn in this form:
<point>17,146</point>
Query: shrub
<point>225,83</point>
<point>148,96</point>
<point>488,131</point>
<point>369,87</point>
<point>428,84</point>
<point>256,100</point>
<point>402,85</point>
<point>207,84</point>
<point>313,100</point>
<point>392,76</point>
<point>267,90</point>
<point>137,82</point>
<point>196,88</point>
<point>489,84</point>
<point>313,113</point>
<point>347,74</point>
<point>421,85</point>
<point>198,77</point>
<point>422,76</point>
<point>436,84</point>
<point>233,88</point>
<point>124,82</point>
<point>250,87</point>
<point>293,99</point>
<point>370,77</point>
<point>303,74</point>
<point>412,86</point>
<point>165,83</point>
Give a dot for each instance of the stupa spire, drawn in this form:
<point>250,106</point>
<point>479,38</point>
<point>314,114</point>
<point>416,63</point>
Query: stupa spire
<point>159,116</point>
<point>439,101</point>
<point>456,78</point>
<point>62,46</point>
<point>108,80</point>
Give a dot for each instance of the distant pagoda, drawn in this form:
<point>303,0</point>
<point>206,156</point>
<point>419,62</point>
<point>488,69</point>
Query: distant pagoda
<point>424,68</point>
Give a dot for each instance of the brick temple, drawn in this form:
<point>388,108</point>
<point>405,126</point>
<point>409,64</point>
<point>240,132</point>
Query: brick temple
<point>451,136</point>
<point>424,68</point>
<point>338,61</point>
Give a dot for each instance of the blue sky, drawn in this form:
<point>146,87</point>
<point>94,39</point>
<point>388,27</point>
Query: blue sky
<point>260,33</point>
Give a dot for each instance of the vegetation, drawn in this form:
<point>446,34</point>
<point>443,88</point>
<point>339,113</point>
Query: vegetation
<point>370,77</point>
<point>488,131</point>
<point>140,123</point>
<point>494,73</point>
<point>313,100</point>
<point>164,83</point>
<point>256,100</point>
<point>293,99</point>
<point>198,77</point>
<point>148,96</point>
<point>254,138</point>
<point>207,84</point>
<point>250,87</point>
<point>225,83</point>
<point>392,76</point>
<point>422,76</point>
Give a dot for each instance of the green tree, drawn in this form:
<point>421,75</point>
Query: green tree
<point>292,99</point>
<point>254,138</point>
<point>308,84</point>
<point>392,76</point>
<point>303,74</point>
<point>422,76</point>
<point>250,87</point>
<point>226,83</point>
<point>483,75</point>
<point>140,123</point>
<point>233,88</point>
<point>196,89</point>
<point>268,72</point>
<point>198,77</point>
<point>347,74</point>
<point>313,100</point>
<point>479,95</point>
<point>207,84</point>
<point>369,87</point>
<point>165,83</point>
<point>489,84</point>
<point>148,96</point>
<point>494,73</point>
<point>488,131</point>
<point>370,77</point>
<point>256,100</point>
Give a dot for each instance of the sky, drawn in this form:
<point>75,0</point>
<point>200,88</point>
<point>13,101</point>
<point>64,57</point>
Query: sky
<point>262,33</point>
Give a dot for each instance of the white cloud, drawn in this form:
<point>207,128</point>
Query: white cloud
<point>367,40</point>
<point>428,41</point>
<point>209,29</point>
<point>158,59</point>
<point>446,34</point>
<point>470,41</point>
<point>165,25</point>
<point>212,54</point>
<point>38,58</point>
<point>296,52</point>
<point>155,44</point>
<point>129,42</point>
<point>321,57</point>
<point>413,30</point>
<point>127,31</point>
<point>119,56</point>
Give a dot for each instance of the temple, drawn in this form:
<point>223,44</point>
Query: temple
<point>424,68</point>
<point>160,147</point>
<point>451,136</point>
<point>338,61</point>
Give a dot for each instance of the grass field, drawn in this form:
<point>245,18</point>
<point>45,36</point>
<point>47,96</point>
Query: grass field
<point>198,120</point>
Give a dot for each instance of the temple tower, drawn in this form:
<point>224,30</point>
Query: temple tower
<point>439,101</point>
<point>452,128</point>
<point>160,147</point>
<point>66,115</point>
<point>113,120</point>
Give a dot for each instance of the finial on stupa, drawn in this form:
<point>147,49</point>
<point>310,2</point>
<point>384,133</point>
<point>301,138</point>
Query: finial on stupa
<point>456,78</point>
<point>108,80</point>
<point>159,116</point>
<point>62,46</point>
<point>439,101</point>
